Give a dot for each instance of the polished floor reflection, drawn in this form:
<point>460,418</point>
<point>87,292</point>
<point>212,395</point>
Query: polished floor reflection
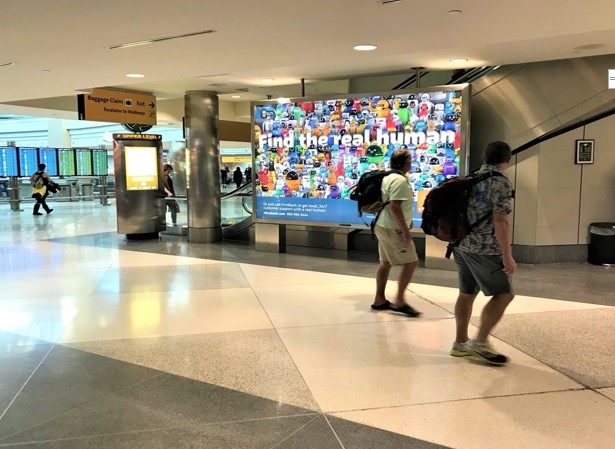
<point>108,343</point>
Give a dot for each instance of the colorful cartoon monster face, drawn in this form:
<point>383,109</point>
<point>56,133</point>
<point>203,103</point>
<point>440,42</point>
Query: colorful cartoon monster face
<point>382,108</point>
<point>374,154</point>
<point>292,180</point>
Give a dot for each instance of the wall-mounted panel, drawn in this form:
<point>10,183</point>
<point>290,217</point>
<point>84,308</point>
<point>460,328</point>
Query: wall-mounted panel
<point>558,207</point>
<point>566,83</point>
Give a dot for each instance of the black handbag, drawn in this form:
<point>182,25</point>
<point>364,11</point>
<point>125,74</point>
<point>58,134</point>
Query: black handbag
<point>54,187</point>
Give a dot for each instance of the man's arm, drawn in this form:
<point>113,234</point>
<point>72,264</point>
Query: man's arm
<point>502,234</point>
<point>398,216</point>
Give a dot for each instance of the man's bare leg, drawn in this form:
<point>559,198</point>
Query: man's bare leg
<point>463,313</point>
<point>491,315</point>
<point>405,276</point>
<point>382,276</point>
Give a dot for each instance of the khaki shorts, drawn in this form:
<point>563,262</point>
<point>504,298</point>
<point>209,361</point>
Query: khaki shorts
<point>391,247</point>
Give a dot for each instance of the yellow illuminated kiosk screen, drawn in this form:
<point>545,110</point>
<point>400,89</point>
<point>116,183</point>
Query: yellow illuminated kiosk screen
<point>141,168</point>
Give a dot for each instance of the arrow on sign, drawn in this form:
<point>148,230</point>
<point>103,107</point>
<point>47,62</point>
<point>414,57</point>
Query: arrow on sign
<point>152,105</point>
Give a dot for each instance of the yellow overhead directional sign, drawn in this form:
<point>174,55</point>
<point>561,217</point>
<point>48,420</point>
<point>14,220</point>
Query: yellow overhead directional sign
<point>123,136</point>
<point>236,158</point>
<point>105,105</point>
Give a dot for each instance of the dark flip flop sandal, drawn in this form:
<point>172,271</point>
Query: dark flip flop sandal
<point>386,305</point>
<point>406,309</point>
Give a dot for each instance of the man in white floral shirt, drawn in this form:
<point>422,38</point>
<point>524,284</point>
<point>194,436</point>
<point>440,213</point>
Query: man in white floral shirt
<point>484,258</point>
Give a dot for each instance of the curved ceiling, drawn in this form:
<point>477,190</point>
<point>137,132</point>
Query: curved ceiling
<point>51,51</point>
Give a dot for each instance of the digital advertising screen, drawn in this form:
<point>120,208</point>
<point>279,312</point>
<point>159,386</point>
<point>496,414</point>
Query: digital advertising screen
<point>309,153</point>
<point>84,161</point>
<point>28,161</point>
<point>66,162</point>
<point>49,157</point>
<point>8,161</point>
<point>100,163</point>
<point>141,168</point>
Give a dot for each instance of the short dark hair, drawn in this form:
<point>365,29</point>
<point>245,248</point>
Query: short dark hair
<point>42,167</point>
<point>497,152</point>
<point>399,158</point>
<point>168,167</point>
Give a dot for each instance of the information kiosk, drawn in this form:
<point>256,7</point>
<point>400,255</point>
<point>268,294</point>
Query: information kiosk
<point>139,185</point>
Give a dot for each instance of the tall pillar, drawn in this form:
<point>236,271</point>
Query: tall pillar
<point>203,186</point>
<point>58,135</point>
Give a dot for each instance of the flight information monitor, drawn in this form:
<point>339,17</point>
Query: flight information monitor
<point>100,163</point>
<point>66,162</point>
<point>84,162</point>
<point>8,161</point>
<point>49,157</point>
<point>28,161</point>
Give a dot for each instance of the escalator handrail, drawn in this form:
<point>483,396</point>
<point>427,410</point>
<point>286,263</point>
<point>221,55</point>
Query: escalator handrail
<point>473,74</point>
<point>244,204</point>
<point>237,191</point>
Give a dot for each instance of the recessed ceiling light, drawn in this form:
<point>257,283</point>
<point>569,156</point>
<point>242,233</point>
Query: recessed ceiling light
<point>364,47</point>
<point>135,75</point>
<point>235,96</point>
<point>454,12</point>
<point>267,80</point>
<point>457,60</point>
<point>283,100</point>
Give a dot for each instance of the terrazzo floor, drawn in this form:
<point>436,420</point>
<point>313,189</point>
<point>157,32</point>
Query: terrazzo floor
<point>108,343</point>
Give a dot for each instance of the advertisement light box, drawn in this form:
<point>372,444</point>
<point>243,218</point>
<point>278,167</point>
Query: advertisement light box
<point>309,153</point>
<point>141,168</point>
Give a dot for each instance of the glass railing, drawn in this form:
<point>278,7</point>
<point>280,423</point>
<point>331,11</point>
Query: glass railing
<point>236,211</point>
<point>236,205</point>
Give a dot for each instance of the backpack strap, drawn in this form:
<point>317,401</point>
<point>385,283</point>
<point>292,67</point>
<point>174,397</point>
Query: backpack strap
<point>475,180</point>
<point>373,223</point>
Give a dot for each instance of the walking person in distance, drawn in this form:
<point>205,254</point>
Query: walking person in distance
<point>169,189</point>
<point>238,177</point>
<point>40,180</point>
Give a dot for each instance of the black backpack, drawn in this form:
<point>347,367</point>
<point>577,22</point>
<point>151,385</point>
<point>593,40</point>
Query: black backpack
<point>368,193</point>
<point>445,210</point>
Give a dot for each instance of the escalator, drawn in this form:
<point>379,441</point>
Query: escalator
<point>236,211</point>
<point>525,104</point>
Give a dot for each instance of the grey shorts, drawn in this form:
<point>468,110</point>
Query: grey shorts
<point>391,247</point>
<point>479,272</point>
